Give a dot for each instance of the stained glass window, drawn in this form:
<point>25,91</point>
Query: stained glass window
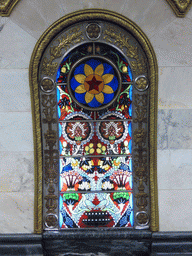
<point>94,96</point>
<point>93,85</point>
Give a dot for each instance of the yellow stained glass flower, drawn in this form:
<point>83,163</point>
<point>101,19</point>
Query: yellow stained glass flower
<point>94,83</point>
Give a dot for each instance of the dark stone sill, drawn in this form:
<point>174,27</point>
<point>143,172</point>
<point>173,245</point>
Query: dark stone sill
<point>117,233</point>
<point>92,242</point>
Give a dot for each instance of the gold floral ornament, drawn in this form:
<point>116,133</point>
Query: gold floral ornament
<point>94,83</point>
<point>93,31</point>
<point>138,65</point>
<point>51,220</point>
<point>142,218</point>
<point>49,66</point>
<point>47,85</point>
<point>141,83</point>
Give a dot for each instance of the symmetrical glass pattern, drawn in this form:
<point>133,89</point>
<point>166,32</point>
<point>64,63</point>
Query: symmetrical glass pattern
<point>94,81</point>
<point>94,96</point>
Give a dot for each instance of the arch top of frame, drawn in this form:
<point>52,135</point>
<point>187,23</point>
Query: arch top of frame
<point>89,15</point>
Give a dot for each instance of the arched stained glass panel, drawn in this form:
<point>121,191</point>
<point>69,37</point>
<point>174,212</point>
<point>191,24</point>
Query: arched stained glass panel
<point>94,90</point>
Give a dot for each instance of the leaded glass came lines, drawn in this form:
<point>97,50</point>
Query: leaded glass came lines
<point>94,96</point>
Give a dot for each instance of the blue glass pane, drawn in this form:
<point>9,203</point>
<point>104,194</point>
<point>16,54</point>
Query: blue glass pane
<point>130,109</point>
<point>130,73</point>
<point>80,97</point>
<point>79,70</point>
<point>113,84</point>
<point>74,84</point>
<point>60,207</point>
<point>60,220</point>
<point>93,63</point>
<point>58,95</point>
<point>130,129</point>
<point>131,215</point>
<point>59,112</point>
<point>94,103</point>
<point>60,130</point>
<point>108,69</point>
<point>131,92</point>
<point>108,97</point>
<point>60,185</point>
<point>60,203</point>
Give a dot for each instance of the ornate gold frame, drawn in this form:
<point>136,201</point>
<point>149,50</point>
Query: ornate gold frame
<point>42,43</point>
<point>6,6</point>
<point>180,7</point>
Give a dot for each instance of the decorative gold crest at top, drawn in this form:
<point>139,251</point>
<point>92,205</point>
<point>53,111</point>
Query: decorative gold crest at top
<point>180,7</point>
<point>6,6</point>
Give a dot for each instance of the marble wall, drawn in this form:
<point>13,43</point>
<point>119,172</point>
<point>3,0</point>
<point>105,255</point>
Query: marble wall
<point>171,38</point>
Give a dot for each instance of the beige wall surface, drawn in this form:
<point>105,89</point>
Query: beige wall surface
<point>171,38</point>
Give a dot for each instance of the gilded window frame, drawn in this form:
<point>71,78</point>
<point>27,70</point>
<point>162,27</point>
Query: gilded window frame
<point>42,43</point>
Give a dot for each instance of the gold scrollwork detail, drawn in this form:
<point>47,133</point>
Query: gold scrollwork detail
<point>74,36</point>
<point>139,136</point>
<point>50,157</point>
<point>51,199</point>
<point>50,138</point>
<point>140,159</point>
<point>48,102</point>
<point>180,7</point>
<point>138,64</point>
<point>51,165</point>
<point>141,201</point>
<point>141,109</point>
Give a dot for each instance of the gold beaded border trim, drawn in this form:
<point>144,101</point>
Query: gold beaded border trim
<point>180,7</point>
<point>43,42</point>
<point>6,7</point>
